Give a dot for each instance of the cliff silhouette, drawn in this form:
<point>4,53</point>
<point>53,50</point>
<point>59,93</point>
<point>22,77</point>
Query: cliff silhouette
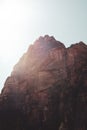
<point>47,89</point>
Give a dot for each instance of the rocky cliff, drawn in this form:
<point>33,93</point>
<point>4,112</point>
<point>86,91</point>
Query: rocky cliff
<point>47,89</point>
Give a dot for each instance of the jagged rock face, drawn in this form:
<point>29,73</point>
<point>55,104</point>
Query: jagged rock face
<point>47,89</point>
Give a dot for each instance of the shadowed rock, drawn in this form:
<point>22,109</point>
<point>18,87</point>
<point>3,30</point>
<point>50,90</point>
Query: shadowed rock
<point>47,89</point>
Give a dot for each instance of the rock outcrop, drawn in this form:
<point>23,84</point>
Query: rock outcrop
<point>47,89</point>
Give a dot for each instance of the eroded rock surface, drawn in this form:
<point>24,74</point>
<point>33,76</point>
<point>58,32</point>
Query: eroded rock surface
<point>47,89</point>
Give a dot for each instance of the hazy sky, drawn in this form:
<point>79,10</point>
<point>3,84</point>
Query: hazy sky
<point>23,21</point>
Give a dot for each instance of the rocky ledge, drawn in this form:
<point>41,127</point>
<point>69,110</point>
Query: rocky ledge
<point>47,89</point>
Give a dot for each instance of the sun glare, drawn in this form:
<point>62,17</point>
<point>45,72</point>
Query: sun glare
<point>14,19</point>
<point>11,28</point>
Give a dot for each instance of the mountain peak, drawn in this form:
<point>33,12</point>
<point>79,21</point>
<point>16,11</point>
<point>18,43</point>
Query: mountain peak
<point>48,41</point>
<point>47,89</point>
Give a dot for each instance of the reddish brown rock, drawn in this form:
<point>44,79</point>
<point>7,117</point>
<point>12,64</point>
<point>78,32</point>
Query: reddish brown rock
<point>47,89</point>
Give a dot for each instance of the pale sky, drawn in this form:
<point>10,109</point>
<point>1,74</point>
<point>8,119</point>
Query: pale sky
<point>23,21</point>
